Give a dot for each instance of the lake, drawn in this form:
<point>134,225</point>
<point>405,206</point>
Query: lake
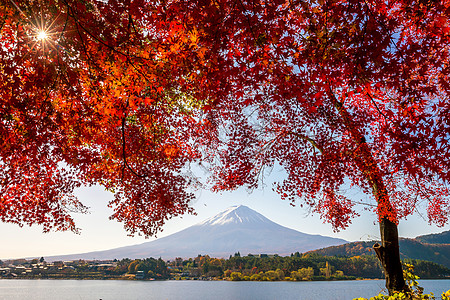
<point>204,290</point>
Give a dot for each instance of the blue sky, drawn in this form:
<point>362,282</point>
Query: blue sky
<point>100,233</point>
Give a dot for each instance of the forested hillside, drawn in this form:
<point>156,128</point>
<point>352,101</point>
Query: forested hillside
<point>437,238</point>
<point>434,248</point>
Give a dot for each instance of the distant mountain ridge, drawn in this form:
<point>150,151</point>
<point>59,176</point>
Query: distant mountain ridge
<point>432,247</point>
<point>435,238</point>
<point>238,229</point>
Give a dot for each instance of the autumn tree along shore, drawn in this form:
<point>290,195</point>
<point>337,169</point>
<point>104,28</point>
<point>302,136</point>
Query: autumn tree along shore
<point>128,94</point>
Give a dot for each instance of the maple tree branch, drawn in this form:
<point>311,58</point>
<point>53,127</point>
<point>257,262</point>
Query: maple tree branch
<point>124,154</point>
<point>326,30</point>
<point>114,49</point>
<point>363,203</point>
<point>368,166</point>
<point>83,45</point>
<point>308,139</point>
<point>376,106</point>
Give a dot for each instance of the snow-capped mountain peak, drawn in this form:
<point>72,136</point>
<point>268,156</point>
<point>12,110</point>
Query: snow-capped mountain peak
<point>236,215</point>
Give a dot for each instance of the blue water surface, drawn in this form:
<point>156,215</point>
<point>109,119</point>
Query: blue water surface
<point>214,290</point>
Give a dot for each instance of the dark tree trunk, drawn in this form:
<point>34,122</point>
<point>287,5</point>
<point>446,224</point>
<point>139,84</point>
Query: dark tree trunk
<point>389,254</point>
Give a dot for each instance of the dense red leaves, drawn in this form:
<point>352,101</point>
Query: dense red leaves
<point>126,94</point>
<point>96,103</point>
<point>337,93</point>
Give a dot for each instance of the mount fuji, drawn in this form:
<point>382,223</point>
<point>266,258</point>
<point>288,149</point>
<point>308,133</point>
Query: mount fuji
<point>238,228</point>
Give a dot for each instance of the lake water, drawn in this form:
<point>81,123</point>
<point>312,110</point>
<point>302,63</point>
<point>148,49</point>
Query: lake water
<point>198,290</point>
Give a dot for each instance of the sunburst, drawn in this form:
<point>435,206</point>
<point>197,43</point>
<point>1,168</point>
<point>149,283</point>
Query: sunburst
<point>42,31</point>
<point>42,35</point>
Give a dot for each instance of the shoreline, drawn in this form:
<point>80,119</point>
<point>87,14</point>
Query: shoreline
<point>203,280</point>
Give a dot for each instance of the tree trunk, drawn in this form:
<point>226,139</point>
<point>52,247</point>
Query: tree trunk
<point>388,252</point>
<point>389,255</point>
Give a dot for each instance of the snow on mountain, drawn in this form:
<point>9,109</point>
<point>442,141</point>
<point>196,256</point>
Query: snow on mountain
<point>238,228</point>
<point>235,215</point>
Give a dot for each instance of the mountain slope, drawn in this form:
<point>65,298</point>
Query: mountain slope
<point>237,229</point>
<point>436,238</point>
<point>409,248</point>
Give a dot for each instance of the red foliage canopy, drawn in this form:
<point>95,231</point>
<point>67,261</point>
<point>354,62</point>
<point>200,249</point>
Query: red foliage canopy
<point>94,103</point>
<point>337,93</point>
<point>127,93</point>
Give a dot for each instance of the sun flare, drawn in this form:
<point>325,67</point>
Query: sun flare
<point>42,35</point>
